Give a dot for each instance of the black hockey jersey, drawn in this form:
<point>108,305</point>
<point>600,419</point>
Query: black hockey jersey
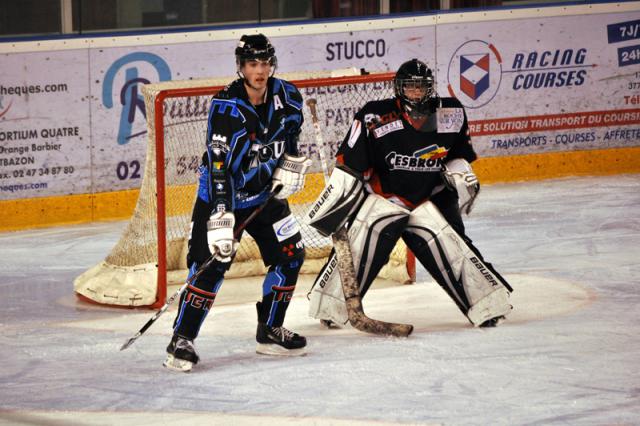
<point>245,143</point>
<point>399,162</point>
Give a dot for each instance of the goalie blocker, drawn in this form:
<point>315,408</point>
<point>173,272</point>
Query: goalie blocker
<point>341,197</point>
<point>476,288</point>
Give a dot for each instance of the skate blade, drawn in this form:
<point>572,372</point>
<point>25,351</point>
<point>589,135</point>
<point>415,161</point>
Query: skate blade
<point>175,364</point>
<point>277,350</point>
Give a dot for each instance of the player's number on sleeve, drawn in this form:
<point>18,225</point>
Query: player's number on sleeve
<point>130,170</point>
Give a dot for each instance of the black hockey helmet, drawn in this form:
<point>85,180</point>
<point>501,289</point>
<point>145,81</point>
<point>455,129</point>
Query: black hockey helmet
<point>416,74</point>
<point>255,47</point>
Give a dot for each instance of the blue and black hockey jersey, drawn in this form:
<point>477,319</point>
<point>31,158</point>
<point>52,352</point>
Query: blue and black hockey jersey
<point>245,143</point>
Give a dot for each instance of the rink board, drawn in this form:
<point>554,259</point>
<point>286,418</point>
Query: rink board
<point>83,208</point>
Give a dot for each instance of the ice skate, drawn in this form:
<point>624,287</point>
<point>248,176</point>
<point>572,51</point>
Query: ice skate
<point>279,341</point>
<point>181,354</point>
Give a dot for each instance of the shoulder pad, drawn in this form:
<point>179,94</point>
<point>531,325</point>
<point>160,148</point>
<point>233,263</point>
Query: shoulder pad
<point>289,91</point>
<point>381,106</point>
<point>371,112</point>
<point>231,90</point>
<point>450,103</point>
<point>226,107</point>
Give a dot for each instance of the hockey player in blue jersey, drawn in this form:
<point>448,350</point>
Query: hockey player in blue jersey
<point>251,149</point>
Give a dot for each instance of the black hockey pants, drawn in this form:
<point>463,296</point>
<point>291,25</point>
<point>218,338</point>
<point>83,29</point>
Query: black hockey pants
<point>280,244</point>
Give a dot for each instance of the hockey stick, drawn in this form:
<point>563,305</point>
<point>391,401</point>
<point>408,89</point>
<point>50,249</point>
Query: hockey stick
<point>311,103</point>
<point>350,288</point>
<point>194,277</point>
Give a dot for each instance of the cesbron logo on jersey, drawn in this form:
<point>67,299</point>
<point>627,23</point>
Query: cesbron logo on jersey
<point>475,73</point>
<point>427,159</point>
<point>128,96</point>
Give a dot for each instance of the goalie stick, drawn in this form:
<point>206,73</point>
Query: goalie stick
<point>317,132</point>
<point>355,311</point>
<point>199,272</point>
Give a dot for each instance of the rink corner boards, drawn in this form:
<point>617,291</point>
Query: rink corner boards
<point>39,212</point>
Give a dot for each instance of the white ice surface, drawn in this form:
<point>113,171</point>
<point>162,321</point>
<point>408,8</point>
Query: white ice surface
<point>568,355</point>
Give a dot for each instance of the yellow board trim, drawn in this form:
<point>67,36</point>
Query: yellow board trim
<point>558,164</point>
<point>83,208</point>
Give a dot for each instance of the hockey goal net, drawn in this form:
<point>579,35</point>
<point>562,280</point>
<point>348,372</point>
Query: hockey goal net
<point>151,252</point>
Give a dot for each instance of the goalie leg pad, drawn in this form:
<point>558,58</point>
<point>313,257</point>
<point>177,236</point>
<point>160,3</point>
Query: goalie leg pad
<point>326,298</point>
<point>340,198</point>
<point>372,236</point>
<point>479,291</point>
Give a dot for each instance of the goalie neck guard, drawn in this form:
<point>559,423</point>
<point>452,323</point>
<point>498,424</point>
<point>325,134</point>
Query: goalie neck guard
<point>341,197</point>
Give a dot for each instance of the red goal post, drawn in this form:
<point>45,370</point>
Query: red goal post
<point>151,253</point>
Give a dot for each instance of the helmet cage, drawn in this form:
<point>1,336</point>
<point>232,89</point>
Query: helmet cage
<point>423,84</point>
<point>415,75</point>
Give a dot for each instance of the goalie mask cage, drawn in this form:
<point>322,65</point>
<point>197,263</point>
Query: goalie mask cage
<point>151,252</point>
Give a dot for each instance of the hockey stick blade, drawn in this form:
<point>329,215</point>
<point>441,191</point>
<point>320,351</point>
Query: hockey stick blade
<point>194,277</point>
<point>357,317</point>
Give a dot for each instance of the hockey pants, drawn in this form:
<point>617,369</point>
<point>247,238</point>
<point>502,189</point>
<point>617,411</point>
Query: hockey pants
<point>280,244</point>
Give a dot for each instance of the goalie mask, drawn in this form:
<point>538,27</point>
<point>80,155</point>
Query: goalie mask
<point>255,47</point>
<point>415,88</point>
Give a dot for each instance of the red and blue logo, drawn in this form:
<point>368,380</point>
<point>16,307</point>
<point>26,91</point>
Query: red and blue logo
<point>475,73</point>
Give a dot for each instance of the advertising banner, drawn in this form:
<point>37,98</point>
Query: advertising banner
<point>74,121</point>
<point>119,131</point>
<point>44,124</point>
<point>543,85</point>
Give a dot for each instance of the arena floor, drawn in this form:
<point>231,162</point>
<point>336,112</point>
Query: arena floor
<point>567,355</point>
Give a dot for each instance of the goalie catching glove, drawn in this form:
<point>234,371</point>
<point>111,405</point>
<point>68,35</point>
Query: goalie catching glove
<point>459,177</point>
<point>220,236</point>
<point>290,175</point>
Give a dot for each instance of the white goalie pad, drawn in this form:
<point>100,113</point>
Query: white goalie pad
<point>326,299</point>
<point>459,176</point>
<point>477,289</point>
<point>338,201</point>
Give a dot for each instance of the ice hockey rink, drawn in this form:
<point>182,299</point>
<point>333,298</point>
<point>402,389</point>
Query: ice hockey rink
<point>569,354</point>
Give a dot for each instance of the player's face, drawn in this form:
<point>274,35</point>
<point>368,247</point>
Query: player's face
<point>257,73</point>
<point>414,90</point>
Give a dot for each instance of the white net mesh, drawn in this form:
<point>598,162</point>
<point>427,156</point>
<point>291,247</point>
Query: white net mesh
<point>129,274</point>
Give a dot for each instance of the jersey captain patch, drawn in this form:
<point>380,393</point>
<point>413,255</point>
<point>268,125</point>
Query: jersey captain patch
<point>388,128</point>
